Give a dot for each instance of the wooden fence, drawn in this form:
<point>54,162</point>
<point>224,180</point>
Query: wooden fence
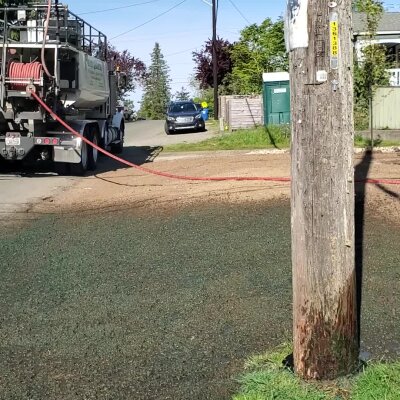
<point>241,112</point>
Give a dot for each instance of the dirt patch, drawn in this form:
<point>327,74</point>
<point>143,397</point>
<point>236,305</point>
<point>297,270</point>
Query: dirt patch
<point>132,189</point>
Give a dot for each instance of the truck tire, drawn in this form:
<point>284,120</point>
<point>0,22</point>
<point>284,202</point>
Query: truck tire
<point>80,168</point>
<point>2,164</point>
<point>119,147</point>
<point>93,153</point>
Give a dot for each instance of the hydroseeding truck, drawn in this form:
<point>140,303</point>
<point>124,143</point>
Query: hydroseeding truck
<point>48,49</point>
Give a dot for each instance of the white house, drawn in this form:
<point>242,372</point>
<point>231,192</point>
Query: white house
<point>388,34</point>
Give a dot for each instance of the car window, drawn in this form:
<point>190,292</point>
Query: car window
<point>183,107</point>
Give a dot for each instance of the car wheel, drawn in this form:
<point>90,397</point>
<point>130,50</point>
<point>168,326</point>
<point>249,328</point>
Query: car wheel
<point>167,131</point>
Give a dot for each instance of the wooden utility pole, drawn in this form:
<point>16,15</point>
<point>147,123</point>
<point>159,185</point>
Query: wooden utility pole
<point>215,58</point>
<point>324,280</point>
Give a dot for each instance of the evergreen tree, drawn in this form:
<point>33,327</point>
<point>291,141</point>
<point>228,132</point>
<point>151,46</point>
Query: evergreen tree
<point>157,92</point>
<point>182,94</point>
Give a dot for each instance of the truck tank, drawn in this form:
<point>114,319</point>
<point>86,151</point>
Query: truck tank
<point>65,60</point>
<point>92,88</point>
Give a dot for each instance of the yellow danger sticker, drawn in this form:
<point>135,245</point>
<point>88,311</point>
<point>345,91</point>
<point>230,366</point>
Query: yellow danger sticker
<point>334,39</point>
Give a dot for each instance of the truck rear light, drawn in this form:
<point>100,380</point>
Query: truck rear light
<point>47,141</point>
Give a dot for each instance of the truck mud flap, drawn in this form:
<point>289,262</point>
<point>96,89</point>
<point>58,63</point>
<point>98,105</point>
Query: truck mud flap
<point>67,155</point>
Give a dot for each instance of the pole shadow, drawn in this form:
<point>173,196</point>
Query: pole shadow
<point>271,138</point>
<point>361,174</point>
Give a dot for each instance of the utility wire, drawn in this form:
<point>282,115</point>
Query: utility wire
<point>237,9</point>
<point>180,52</point>
<point>150,20</point>
<point>118,8</point>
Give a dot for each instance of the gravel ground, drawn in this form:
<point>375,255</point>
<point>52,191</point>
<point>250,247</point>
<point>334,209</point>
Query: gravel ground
<point>161,290</point>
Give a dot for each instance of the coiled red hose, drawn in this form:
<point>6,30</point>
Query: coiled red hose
<point>24,72</point>
<point>182,177</point>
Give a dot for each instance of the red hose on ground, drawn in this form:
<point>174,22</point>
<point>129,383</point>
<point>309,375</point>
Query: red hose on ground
<point>182,177</point>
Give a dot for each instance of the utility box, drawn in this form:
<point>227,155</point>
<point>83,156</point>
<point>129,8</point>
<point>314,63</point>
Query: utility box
<point>276,97</point>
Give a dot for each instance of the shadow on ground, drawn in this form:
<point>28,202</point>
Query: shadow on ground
<point>137,155</point>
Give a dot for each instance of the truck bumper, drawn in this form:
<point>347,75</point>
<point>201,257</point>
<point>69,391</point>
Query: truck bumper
<point>67,150</point>
<point>17,151</point>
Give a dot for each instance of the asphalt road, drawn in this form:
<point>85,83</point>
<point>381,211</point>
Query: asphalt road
<point>21,186</point>
<point>151,133</point>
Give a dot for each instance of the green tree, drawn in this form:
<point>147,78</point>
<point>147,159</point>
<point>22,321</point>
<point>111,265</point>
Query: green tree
<point>370,70</point>
<point>182,94</point>
<point>204,63</point>
<point>134,69</point>
<point>261,48</point>
<point>157,92</point>
<point>128,103</point>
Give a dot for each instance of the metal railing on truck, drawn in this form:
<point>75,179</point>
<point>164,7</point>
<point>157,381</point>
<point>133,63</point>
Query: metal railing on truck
<point>26,25</point>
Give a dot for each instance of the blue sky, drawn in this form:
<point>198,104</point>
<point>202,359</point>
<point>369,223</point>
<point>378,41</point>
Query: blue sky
<point>180,31</point>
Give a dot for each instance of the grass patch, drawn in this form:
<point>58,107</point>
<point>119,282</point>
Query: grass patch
<point>258,138</point>
<point>378,381</point>
<point>360,141</point>
<point>266,378</point>
<point>361,118</point>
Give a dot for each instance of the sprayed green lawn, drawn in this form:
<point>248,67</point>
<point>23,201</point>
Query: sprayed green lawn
<point>265,378</point>
<point>128,303</point>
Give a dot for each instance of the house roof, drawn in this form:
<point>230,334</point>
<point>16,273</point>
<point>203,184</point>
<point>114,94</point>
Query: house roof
<point>390,22</point>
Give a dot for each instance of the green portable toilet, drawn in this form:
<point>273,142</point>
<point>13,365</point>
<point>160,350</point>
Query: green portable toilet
<point>276,98</point>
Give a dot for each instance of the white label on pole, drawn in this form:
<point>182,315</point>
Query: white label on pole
<point>322,76</point>
<point>296,25</point>
<point>280,90</point>
<point>334,39</point>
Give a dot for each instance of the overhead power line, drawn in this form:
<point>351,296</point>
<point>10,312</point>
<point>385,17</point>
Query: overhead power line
<point>237,9</point>
<point>118,8</point>
<point>150,20</point>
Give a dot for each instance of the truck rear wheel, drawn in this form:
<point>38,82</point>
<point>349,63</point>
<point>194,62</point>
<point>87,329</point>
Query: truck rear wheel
<point>119,147</point>
<point>92,152</point>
